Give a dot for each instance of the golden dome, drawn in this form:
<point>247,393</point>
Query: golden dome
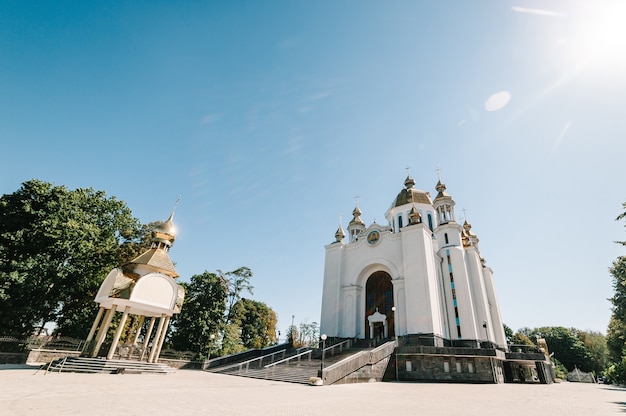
<point>411,195</point>
<point>339,235</point>
<point>441,189</point>
<point>356,216</point>
<point>165,232</point>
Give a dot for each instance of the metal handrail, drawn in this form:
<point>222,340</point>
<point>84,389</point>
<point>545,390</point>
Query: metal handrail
<point>247,363</point>
<point>348,343</point>
<point>62,364</point>
<point>286,360</point>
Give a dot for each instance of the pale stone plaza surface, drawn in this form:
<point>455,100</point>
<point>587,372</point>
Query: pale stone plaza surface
<point>27,392</point>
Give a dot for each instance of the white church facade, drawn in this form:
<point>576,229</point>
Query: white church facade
<point>422,280</point>
<point>420,274</point>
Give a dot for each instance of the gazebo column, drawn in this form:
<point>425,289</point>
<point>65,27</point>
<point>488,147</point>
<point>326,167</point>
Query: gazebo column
<point>146,339</point>
<point>95,325</point>
<point>138,332</point>
<point>102,332</point>
<point>118,333</point>
<point>157,339</point>
<point>162,340</point>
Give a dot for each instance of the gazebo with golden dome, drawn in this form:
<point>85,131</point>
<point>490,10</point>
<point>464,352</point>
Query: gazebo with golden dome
<point>142,288</point>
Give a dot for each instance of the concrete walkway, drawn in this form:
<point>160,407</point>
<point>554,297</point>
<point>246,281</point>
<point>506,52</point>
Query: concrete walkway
<point>187,392</point>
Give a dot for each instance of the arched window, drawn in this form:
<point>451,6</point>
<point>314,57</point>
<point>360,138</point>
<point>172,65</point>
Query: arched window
<point>430,221</point>
<point>445,237</point>
<point>399,221</point>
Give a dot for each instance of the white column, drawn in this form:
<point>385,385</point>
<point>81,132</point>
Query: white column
<point>95,325</point>
<point>138,331</point>
<point>118,333</point>
<point>157,339</point>
<point>386,329</point>
<point>102,332</point>
<point>163,334</point>
<point>146,339</point>
<point>371,330</point>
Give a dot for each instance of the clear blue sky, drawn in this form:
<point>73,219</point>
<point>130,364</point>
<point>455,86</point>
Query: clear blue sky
<point>269,117</point>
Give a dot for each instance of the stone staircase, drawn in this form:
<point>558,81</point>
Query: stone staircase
<point>102,365</point>
<point>289,369</point>
<point>290,372</point>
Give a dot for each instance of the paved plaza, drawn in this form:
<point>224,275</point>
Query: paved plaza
<point>187,392</point>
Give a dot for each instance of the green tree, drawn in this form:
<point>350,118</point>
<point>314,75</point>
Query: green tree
<point>519,338</point>
<point>237,282</point>
<point>230,342</point>
<point>567,347</point>
<point>508,332</point>
<point>616,339</point>
<point>292,335</point>
<point>257,323</point>
<point>210,309</point>
<point>202,314</point>
<point>596,344</point>
<point>309,334</point>
<point>56,247</point>
<point>616,332</point>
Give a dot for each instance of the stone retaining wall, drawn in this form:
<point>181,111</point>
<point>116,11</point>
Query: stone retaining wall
<point>40,356</point>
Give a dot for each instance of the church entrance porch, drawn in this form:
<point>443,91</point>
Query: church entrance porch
<point>378,327</point>
<point>379,316</point>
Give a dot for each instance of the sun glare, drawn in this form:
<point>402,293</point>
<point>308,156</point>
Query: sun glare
<point>598,35</point>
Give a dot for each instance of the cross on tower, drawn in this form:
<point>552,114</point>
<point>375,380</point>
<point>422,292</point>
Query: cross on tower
<point>176,203</point>
<point>438,171</point>
<point>464,214</point>
<point>408,173</point>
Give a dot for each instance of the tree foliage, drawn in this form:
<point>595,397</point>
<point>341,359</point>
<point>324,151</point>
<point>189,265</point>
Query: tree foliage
<point>567,347</point>
<point>292,334</point>
<point>214,306</point>
<point>237,282</point>
<point>257,323</point>
<point>571,347</point>
<point>56,247</point>
<point>616,332</point>
<point>308,335</point>
<point>596,345</point>
<point>202,313</point>
<point>508,333</point>
<point>520,338</point>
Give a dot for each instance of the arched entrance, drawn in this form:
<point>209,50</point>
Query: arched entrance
<point>379,298</point>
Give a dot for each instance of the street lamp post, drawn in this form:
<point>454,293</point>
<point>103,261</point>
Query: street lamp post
<point>211,337</point>
<point>493,370</point>
<point>323,337</point>
<point>486,332</point>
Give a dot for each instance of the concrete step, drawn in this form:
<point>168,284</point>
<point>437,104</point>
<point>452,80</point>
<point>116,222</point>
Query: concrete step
<point>291,372</point>
<point>101,365</point>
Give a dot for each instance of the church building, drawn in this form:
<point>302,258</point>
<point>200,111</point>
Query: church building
<point>422,280</point>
